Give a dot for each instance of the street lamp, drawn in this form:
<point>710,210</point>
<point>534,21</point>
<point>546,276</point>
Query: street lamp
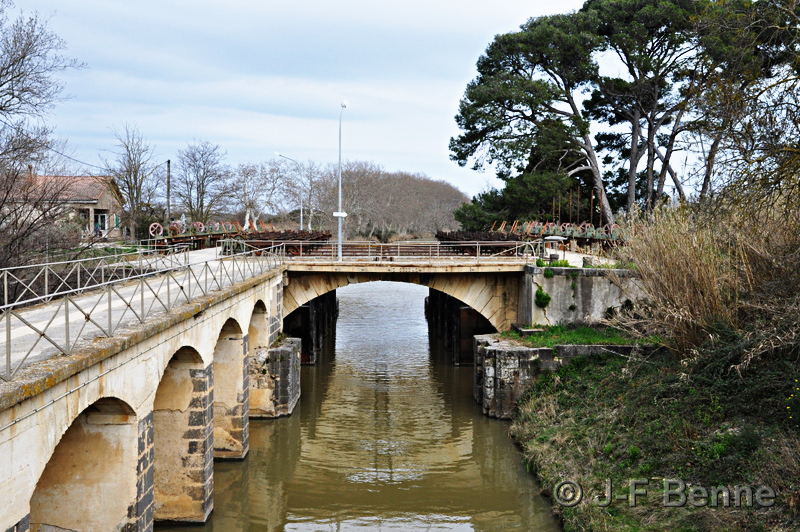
<point>340,214</point>
<point>300,169</point>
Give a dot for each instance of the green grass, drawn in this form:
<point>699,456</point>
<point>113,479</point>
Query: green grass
<point>579,335</point>
<point>608,417</point>
<point>561,263</point>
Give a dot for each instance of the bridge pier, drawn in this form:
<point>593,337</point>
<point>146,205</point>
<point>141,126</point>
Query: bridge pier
<point>451,327</point>
<point>275,379</point>
<point>232,387</point>
<point>315,324</point>
<point>183,440</point>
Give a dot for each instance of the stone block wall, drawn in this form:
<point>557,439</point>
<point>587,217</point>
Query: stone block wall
<point>577,295</point>
<point>200,439</point>
<point>232,375</point>
<point>504,370</point>
<point>274,377</point>
<point>276,314</point>
<point>184,449</point>
<point>145,506</point>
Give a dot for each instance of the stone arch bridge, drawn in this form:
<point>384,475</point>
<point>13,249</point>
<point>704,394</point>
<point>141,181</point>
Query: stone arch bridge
<point>490,289</point>
<point>119,394</point>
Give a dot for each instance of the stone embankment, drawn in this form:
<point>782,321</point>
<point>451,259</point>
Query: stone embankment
<point>505,370</point>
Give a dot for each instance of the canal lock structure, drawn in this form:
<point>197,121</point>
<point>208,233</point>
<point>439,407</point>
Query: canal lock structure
<point>386,435</point>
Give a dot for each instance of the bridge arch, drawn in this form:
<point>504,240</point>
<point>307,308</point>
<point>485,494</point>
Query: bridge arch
<point>258,328</point>
<point>95,460</point>
<point>494,296</point>
<point>231,387</point>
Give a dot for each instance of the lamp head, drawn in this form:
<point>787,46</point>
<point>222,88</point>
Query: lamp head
<point>344,104</point>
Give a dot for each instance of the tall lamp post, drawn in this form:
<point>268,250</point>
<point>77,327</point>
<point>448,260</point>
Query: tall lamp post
<point>340,214</point>
<point>299,169</point>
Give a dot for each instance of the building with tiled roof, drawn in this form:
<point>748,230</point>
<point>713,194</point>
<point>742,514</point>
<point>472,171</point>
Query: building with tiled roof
<point>95,203</point>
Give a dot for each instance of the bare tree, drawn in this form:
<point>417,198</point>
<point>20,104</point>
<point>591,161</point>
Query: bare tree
<point>133,172</point>
<point>30,57</point>
<point>382,204</point>
<point>203,182</point>
<point>258,188</point>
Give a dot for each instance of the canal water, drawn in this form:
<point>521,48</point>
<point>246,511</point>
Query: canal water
<point>385,437</point>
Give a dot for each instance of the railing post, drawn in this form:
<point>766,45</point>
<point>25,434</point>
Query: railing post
<point>46,280</point>
<point>478,252</point>
<point>141,299</point>
<point>66,324</point>
<point>110,320</point>
<point>8,324</point>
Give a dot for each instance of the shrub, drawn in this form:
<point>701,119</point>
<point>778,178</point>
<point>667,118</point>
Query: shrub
<point>542,298</point>
<point>541,263</point>
<point>548,273</point>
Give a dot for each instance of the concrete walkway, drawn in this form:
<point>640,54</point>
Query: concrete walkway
<point>116,307</point>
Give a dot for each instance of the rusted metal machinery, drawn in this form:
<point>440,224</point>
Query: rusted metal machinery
<point>531,230</point>
<point>197,235</point>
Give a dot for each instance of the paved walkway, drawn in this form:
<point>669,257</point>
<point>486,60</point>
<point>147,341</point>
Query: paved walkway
<point>114,308</point>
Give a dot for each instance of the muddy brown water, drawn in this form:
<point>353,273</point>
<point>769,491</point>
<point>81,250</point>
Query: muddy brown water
<point>385,437</point>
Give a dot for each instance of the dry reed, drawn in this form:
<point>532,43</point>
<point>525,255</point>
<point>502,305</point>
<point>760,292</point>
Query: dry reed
<point>708,273</point>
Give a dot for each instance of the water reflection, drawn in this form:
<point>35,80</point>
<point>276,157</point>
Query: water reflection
<point>384,438</point>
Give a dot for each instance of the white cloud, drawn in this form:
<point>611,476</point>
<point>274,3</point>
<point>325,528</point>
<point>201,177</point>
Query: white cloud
<point>257,77</point>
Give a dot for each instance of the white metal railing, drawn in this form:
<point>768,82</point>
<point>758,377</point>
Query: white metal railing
<point>61,304</point>
<point>37,283</point>
<point>376,251</point>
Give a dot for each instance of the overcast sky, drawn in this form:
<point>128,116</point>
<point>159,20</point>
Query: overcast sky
<point>260,77</point>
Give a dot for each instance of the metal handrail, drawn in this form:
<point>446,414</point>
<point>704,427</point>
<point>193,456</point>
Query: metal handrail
<point>376,251</point>
<point>102,308</point>
<point>34,283</point>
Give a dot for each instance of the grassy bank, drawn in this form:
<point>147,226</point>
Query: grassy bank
<point>619,419</point>
<point>576,335</point>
